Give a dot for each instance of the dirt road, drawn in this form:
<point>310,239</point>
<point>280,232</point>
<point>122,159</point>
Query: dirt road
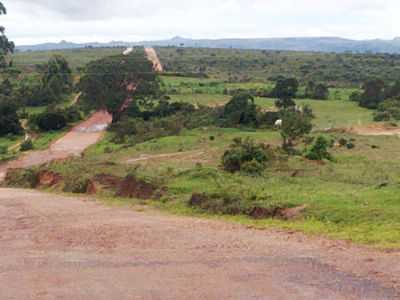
<point>153,57</point>
<point>376,130</point>
<point>54,247</point>
<point>73,143</point>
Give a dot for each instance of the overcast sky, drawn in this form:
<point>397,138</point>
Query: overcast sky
<point>36,21</point>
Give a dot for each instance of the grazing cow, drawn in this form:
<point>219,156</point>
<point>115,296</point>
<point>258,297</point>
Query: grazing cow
<point>278,124</point>
<point>127,51</point>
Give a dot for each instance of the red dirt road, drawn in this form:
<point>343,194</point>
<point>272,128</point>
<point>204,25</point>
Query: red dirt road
<point>55,247</point>
<point>73,143</point>
<point>153,57</point>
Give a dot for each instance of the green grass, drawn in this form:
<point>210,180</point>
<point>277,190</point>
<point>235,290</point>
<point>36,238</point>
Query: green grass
<point>44,139</point>
<point>75,57</point>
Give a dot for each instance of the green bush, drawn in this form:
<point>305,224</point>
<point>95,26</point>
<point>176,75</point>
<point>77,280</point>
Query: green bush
<point>3,150</point>
<point>319,150</point>
<point>247,157</point>
<point>49,121</point>
<point>240,110</point>
<point>76,185</point>
<point>26,145</point>
<point>23,178</point>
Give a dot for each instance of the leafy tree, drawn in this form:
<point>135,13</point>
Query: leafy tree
<point>317,91</point>
<point>50,120</point>
<point>6,46</point>
<point>9,122</point>
<point>295,125</point>
<point>388,109</point>
<point>285,90</point>
<point>112,82</point>
<point>393,90</point>
<point>373,93</point>
<point>241,110</point>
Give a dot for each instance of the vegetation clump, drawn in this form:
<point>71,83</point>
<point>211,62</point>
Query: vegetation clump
<point>26,145</point>
<point>240,110</point>
<point>247,157</point>
<point>319,151</point>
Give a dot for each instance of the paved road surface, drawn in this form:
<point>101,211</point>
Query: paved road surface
<point>54,247</point>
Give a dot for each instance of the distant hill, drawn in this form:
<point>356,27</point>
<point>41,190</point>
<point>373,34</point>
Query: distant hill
<point>320,44</point>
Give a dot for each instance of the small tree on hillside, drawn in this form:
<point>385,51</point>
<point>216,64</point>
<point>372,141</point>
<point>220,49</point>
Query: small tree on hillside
<point>295,125</point>
<point>285,90</point>
<point>9,122</point>
<point>241,110</point>
<point>373,93</point>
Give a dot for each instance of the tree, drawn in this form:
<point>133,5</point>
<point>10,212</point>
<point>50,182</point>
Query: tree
<point>393,90</point>
<point>295,124</point>
<point>285,90</point>
<point>317,91</point>
<point>373,93</point>
<point>9,122</point>
<point>6,46</point>
<point>241,110</point>
<point>112,82</point>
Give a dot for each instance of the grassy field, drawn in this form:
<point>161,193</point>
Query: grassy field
<point>75,57</point>
<point>344,70</point>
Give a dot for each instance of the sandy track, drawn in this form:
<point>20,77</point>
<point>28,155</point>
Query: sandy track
<point>54,247</point>
<point>73,143</point>
<point>153,57</point>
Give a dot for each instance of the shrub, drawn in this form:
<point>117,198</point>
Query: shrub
<point>76,185</point>
<point>381,116</point>
<point>231,203</point>
<point>49,121</point>
<point>343,142</point>
<point>319,150</point>
<point>240,110</point>
<point>3,149</point>
<point>26,145</point>
<point>24,178</point>
<point>9,122</point>
<point>247,157</point>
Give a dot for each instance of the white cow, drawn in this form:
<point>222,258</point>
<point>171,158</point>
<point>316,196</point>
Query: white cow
<point>128,51</point>
<point>278,123</point>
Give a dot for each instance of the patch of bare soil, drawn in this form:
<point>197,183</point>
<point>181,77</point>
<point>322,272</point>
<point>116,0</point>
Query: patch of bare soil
<point>55,247</point>
<point>376,130</point>
<point>48,178</point>
<point>132,187</point>
<point>189,155</point>
<point>153,57</point>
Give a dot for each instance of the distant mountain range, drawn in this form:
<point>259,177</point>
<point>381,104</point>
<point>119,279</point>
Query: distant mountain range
<point>320,44</point>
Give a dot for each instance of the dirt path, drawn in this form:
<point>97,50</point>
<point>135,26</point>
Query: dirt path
<point>376,130</point>
<point>54,247</point>
<point>74,142</point>
<point>192,155</point>
<point>153,57</point>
